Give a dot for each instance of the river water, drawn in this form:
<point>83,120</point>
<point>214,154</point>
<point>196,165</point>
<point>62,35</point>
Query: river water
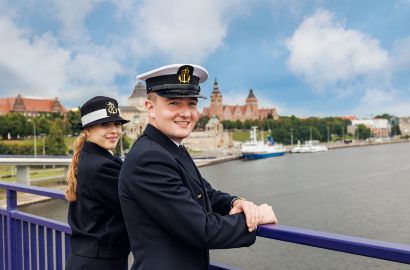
<point>361,192</point>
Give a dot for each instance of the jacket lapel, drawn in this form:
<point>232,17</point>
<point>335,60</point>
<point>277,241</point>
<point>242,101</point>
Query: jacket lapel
<point>91,147</point>
<point>182,158</point>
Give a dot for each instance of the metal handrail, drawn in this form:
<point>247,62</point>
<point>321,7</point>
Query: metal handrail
<point>355,245</point>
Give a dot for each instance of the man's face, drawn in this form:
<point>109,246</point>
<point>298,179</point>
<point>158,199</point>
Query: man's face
<point>175,117</point>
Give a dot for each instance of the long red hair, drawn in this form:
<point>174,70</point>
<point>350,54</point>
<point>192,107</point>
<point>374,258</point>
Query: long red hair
<point>71,177</point>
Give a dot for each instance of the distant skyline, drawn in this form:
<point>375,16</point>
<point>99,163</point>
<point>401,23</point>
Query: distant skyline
<point>306,58</point>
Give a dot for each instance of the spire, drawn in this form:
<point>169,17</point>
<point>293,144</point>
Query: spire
<point>139,91</point>
<point>216,87</point>
<point>251,94</point>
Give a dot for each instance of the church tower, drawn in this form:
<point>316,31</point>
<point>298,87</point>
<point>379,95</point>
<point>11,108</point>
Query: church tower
<point>138,97</point>
<point>216,108</point>
<point>252,103</point>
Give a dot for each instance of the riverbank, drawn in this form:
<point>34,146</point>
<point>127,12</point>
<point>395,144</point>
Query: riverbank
<point>27,199</point>
<point>201,160</point>
<point>362,192</point>
<point>333,146</point>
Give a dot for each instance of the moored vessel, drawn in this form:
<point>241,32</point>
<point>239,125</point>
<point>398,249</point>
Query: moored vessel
<point>309,147</point>
<point>254,149</point>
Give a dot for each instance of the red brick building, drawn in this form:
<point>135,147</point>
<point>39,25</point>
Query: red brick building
<point>31,106</point>
<point>249,111</point>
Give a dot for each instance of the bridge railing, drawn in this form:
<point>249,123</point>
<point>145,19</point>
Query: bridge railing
<point>28,241</point>
<point>32,242</point>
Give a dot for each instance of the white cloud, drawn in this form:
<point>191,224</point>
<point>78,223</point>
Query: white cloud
<point>72,14</point>
<point>99,66</point>
<point>401,54</point>
<point>379,101</point>
<point>34,63</point>
<point>36,66</point>
<point>325,53</point>
<point>66,62</point>
<point>184,30</point>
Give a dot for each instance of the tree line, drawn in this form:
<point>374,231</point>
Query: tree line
<point>52,128</point>
<point>50,132</point>
<point>18,126</point>
<point>290,129</point>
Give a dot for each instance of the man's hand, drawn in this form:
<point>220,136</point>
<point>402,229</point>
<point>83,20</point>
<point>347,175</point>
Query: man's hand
<point>268,216</point>
<point>252,212</point>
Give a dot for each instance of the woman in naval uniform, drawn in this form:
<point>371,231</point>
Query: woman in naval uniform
<point>99,238</point>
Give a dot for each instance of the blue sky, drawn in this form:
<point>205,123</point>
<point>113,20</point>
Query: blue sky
<point>306,58</point>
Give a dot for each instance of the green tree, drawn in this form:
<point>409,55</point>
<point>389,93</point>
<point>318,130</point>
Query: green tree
<point>362,132</point>
<point>73,119</point>
<point>55,144</point>
<point>281,135</point>
<point>16,124</point>
<point>384,116</point>
<point>238,124</point>
<point>202,121</point>
<point>126,144</point>
<point>42,125</point>
<point>3,128</point>
<point>395,130</point>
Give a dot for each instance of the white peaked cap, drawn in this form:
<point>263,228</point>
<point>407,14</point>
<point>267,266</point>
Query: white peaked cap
<point>199,72</point>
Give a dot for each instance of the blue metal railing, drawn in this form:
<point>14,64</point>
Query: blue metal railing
<point>31,242</point>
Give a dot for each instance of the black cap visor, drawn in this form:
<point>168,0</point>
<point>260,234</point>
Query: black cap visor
<point>180,93</point>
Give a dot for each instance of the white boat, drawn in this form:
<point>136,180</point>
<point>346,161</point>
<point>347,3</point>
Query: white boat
<point>254,149</point>
<point>309,147</point>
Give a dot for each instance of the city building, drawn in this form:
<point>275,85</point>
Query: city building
<point>348,117</point>
<point>248,111</point>
<point>404,124</point>
<point>214,138</point>
<point>31,107</point>
<point>379,127</point>
<point>135,112</point>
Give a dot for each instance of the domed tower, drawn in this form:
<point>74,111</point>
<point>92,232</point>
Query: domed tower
<point>138,96</point>
<point>216,108</point>
<point>252,103</point>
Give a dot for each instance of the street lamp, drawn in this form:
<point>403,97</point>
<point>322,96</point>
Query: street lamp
<point>35,139</point>
<point>43,136</point>
<point>291,136</point>
<point>121,148</point>
<point>327,134</point>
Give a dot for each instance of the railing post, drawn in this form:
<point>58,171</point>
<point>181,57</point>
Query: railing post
<point>23,174</point>
<point>11,230</point>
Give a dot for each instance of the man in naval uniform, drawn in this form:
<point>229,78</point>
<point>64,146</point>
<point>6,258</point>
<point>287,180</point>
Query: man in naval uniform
<point>173,215</point>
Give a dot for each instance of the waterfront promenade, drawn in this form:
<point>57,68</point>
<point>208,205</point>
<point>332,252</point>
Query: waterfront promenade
<point>361,192</point>
<point>202,160</point>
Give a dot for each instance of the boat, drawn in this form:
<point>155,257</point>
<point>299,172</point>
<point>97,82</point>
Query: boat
<point>254,149</point>
<point>310,146</point>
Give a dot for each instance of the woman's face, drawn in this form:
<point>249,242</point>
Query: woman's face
<point>105,135</point>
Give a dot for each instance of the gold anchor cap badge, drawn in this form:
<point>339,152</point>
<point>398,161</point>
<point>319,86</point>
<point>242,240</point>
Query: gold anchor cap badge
<point>184,74</point>
<point>111,108</point>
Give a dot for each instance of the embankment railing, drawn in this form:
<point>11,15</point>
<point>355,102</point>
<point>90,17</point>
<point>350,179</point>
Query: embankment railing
<point>28,241</point>
<point>32,242</point>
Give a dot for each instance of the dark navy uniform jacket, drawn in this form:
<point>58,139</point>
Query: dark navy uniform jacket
<point>95,218</point>
<point>173,215</point>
